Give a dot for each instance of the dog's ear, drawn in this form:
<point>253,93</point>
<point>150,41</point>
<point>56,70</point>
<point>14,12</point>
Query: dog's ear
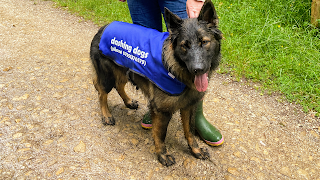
<point>173,21</point>
<point>208,14</point>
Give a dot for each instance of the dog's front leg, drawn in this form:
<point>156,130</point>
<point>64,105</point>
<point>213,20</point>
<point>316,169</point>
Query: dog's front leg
<point>160,121</point>
<point>187,116</point>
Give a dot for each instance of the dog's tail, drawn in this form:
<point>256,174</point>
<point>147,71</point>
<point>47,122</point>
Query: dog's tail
<point>104,74</point>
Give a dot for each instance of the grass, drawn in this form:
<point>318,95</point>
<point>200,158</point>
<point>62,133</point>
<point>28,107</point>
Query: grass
<point>98,11</point>
<point>268,42</point>
<point>273,44</point>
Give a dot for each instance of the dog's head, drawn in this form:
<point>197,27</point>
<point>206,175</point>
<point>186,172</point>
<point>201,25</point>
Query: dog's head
<point>196,42</point>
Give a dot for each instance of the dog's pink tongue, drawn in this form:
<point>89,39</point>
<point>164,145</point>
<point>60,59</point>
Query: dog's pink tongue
<point>201,82</point>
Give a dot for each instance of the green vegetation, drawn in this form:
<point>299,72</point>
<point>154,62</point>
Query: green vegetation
<point>269,42</point>
<point>98,11</point>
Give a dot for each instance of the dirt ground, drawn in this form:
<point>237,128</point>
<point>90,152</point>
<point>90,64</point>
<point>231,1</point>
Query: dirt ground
<point>50,125</point>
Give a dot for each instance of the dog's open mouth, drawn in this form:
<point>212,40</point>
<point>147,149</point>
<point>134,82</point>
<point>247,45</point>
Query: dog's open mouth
<point>201,82</point>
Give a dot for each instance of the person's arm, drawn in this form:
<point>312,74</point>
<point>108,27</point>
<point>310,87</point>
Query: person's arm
<point>194,7</point>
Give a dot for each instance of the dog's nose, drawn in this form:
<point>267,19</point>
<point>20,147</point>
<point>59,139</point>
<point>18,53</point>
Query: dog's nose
<point>198,71</point>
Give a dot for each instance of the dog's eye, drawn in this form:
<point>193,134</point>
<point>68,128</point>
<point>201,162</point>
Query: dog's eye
<point>205,42</point>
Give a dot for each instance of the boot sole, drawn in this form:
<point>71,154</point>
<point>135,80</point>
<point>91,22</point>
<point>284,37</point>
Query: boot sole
<point>214,143</point>
<point>146,126</point>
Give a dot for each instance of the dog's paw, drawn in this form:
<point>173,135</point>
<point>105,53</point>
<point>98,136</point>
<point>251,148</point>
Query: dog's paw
<point>166,159</point>
<point>133,104</point>
<point>201,153</point>
<point>108,121</point>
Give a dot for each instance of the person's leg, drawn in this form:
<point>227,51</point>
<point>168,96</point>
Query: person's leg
<point>146,13</point>
<point>178,7</point>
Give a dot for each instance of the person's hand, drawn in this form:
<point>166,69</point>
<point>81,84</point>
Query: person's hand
<point>122,0</point>
<point>194,8</point>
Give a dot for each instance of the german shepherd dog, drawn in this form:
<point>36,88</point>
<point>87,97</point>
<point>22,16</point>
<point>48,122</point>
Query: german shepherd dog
<point>191,53</point>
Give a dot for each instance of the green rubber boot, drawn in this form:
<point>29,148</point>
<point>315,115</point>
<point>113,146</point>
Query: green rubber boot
<point>207,131</point>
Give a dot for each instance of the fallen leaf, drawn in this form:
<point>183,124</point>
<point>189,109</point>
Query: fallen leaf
<point>48,142</point>
<point>17,135</point>
<point>61,170</point>
<point>4,119</point>
<point>134,141</point>
<point>64,80</point>
<point>7,68</point>
<point>255,159</point>
<point>80,148</point>
<point>233,171</point>
<point>314,134</point>
<point>24,97</point>
<point>84,59</point>
<point>24,149</point>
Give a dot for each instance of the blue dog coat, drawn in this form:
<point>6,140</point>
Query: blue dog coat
<point>139,49</point>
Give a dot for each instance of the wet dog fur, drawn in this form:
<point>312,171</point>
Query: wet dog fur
<point>192,50</point>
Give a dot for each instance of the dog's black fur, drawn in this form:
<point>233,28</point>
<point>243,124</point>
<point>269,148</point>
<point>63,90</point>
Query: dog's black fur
<point>192,49</point>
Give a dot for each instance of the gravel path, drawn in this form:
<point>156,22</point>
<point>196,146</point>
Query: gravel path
<point>50,125</point>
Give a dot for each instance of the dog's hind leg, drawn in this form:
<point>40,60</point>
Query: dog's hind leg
<point>187,116</point>
<point>160,123</point>
<point>107,118</point>
<point>120,84</point>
